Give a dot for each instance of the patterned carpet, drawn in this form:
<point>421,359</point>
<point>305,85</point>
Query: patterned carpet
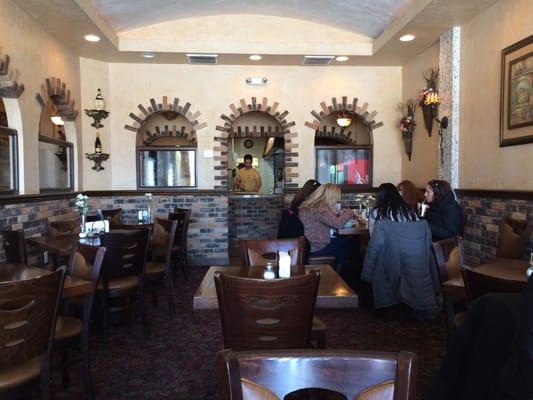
<point>177,361</point>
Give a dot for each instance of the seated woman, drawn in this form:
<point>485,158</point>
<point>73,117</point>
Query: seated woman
<point>289,225</point>
<point>390,206</point>
<point>410,194</point>
<point>318,216</point>
<point>444,214</point>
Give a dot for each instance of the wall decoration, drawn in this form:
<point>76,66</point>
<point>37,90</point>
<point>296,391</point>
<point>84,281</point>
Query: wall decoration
<point>516,97</point>
<point>248,143</point>
<point>408,124</point>
<point>429,98</point>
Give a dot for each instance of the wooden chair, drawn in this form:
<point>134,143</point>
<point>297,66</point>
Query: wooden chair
<point>182,210</point>
<point>356,375</point>
<point>28,311</point>
<point>446,253</point>
<point>513,239</point>
<point>266,314</point>
<point>71,332</point>
<point>180,242</point>
<point>64,227</point>
<point>157,270</point>
<point>123,272</point>
<point>114,216</point>
<point>259,252</point>
<point>14,246</point>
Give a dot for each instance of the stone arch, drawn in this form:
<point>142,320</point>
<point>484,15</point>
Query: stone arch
<point>226,131</point>
<point>57,92</point>
<point>368,118</point>
<point>168,108</point>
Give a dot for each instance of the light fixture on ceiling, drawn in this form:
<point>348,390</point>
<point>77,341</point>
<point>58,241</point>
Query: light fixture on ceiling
<point>256,81</point>
<point>341,58</point>
<point>407,38</point>
<point>148,55</point>
<point>92,38</point>
<point>255,57</point>
<point>344,119</point>
<point>57,120</point>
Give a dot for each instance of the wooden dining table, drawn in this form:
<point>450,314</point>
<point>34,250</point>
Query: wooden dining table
<point>333,292</point>
<point>505,268</point>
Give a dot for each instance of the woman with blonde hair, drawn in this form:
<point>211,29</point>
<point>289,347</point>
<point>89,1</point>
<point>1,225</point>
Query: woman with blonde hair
<point>319,213</point>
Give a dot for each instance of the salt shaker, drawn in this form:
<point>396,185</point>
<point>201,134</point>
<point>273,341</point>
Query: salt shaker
<point>269,272</point>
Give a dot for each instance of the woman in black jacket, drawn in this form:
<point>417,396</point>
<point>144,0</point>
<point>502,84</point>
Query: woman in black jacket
<point>444,215</point>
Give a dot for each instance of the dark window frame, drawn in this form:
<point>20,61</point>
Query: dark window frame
<point>70,147</point>
<point>14,154</point>
<point>368,147</point>
<point>140,186</point>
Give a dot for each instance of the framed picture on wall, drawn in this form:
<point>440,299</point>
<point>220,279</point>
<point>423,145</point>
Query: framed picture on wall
<point>516,98</point>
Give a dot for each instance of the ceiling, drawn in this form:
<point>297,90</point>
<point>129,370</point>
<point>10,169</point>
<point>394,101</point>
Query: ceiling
<point>282,31</point>
<point>368,17</point>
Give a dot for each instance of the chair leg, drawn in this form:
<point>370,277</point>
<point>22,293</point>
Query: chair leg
<point>170,298</point>
<point>184,266</point>
<point>46,391</point>
<point>65,377</point>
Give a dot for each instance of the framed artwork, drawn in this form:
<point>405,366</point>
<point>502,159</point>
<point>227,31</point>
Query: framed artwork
<point>516,97</point>
<point>248,143</point>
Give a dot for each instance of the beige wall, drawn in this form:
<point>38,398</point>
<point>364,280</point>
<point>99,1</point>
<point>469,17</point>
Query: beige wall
<point>423,164</point>
<point>211,89</point>
<point>483,164</point>
<point>36,56</point>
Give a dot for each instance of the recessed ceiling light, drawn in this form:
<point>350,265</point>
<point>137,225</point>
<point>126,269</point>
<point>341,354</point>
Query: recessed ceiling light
<point>148,55</point>
<point>407,38</point>
<point>255,57</point>
<point>92,38</point>
<point>341,58</point>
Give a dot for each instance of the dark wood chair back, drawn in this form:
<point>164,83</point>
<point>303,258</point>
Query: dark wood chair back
<point>14,244</point>
<point>114,216</point>
<point>446,253</point>
<point>356,375</point>
<point>170,228</point>
<point>259,252</point>
<point>266,314</point>
<point>86,263</point>
<point>514,236</point>
<point>178,210</point>
<point>64,227</point>
<point>182,219</point>
<point>477,284</point>
<point>28,312</point>
<point>126,253</point>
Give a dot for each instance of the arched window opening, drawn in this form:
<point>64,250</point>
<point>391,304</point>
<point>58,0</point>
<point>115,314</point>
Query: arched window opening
<point>166,152</point>
<point>8,154</point>
<point>56,155</point>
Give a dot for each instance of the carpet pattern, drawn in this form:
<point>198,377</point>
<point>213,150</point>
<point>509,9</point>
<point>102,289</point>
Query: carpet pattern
<point>177,360</point>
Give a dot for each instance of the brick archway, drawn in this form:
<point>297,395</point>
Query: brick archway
<point>368,118</point>
<point>10,88</point>
<point>57,92</point>
<point>227,132</point>
<point>145,112</point>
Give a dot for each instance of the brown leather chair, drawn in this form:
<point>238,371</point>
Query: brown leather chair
<point>123,273</point>
<point>64,227</point>
<point>28,311</point>
<point>162,269</point>
<point>85,263</point>
<point>355,375</point>
<point>14,245</point>
<point>180,243</point>
<point>447,260</point>
<point>259,252</point>
<point>266,314</point>
<point>514,236</point>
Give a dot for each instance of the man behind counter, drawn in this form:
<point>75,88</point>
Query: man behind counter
<point>248,178</point>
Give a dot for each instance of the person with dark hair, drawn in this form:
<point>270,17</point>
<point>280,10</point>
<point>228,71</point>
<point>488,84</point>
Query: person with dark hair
<point>390,206</point>
<point>444,214</point>
<point>290,225</point>
<point>410,194</point>
<point>248,178</point>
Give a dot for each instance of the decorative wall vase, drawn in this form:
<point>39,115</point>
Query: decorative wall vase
<point>407,137</point>
<point>429,112</point>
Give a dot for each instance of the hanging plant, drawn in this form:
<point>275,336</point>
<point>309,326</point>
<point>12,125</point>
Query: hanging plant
<point>408,124</point>
<point>429,98</point>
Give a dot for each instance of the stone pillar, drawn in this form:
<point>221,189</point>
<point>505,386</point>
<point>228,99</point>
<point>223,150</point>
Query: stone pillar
<point>449,73</point>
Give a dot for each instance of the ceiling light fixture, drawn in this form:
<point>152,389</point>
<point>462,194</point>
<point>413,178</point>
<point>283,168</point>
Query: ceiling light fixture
<point>341,58</point>
<point>344,119</point>
<point>92,38</point>
<point>255,57</point>
<point>407,38</point>
<point>148,55</point>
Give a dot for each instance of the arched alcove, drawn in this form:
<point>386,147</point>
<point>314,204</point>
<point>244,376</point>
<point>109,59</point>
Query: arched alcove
<point>256,120</point>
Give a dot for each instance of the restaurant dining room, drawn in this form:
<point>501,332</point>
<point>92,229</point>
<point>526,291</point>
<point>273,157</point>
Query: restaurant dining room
<point>244,200</point>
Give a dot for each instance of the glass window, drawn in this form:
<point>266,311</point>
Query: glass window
<point>164,167</point>
<point>8,160</point>
<point>344,165</point>
<point>55,165</point>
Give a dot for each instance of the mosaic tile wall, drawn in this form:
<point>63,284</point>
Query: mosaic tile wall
<point>482,229</point>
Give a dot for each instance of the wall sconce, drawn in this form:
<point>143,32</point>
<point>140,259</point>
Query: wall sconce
<point>57,120</point>
<point>344,120</point>
<point>256,81</point>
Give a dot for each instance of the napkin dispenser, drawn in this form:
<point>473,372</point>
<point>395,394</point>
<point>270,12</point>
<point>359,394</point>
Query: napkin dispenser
<point>284,264</point>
